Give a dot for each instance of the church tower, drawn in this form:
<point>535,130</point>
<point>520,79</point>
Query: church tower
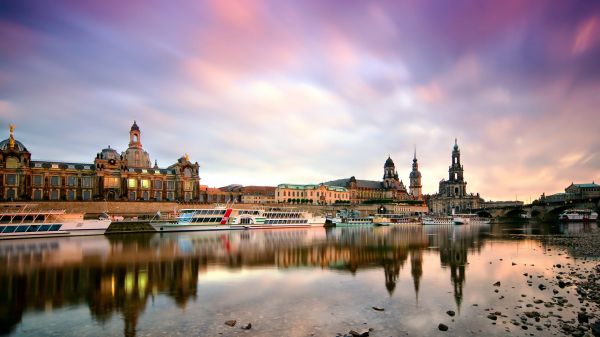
<point>135,155</point>
<point>456,185</point>
<point>390,176</point>
<point>415,179</point>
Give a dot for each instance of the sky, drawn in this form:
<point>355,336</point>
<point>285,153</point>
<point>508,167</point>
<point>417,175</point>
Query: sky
<point>269,92</point>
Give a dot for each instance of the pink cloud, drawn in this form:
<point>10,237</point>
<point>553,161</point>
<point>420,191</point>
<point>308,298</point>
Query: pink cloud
<point>586,36</point>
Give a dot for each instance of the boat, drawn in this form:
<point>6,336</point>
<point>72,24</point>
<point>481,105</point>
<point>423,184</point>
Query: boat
<point>578,215</point>
<point>350,218</point>
<point>194,219</point>
<point>227,218</point>
<point>438,220</point>
<point>275,218</point>
<point>391,219</point>
<point>23,223</point>
<point>463,219</point>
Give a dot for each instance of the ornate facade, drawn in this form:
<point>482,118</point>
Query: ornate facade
<point>321,194</point>
<point>390,188</point>
<point>112,176</point>
<point>452,194</point>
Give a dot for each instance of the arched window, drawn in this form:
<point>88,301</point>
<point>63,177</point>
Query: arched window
<point>12,162</point>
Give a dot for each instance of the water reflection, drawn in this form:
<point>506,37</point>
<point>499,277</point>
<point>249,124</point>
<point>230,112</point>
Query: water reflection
<point>122,274</point>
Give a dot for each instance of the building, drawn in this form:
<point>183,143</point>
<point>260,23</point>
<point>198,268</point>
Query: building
<point>321,194</point>
<point>111,176</point>
<point>452,194</point>
<point>390,189</point>
<point>582,192</point>
<point>259,194</point>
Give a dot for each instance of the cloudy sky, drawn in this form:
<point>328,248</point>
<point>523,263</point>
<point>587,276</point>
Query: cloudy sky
<point>267,92</point>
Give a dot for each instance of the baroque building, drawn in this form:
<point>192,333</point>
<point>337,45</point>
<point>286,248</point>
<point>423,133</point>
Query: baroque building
<point>390,188</point>
<point>321,194</point>
<point>112,176</point>
<point>452,195</point>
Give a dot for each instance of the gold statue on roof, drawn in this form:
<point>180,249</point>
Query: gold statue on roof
<point>11,138</point>
<point>187,158</point>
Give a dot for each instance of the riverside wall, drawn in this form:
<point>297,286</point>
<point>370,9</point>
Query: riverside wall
<point>140,208</point>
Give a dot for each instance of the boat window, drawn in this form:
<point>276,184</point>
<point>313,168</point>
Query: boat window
<point>33,228</point>
<point>2,228</point>
<point>44,228</point>
<point>21,229</point>
<point>54,228</point>
<point>9,229</point>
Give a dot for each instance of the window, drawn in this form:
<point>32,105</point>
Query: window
<point>111,182</point>
<point>86,181</point>
<point>188,185</point>
<point>54,195</point>
<point>131,195</point>
<point>11,179</point>
<point>170,184</point>
<point>55,181</point>
<point>145,183</point>
<point>38,180</point>
<point>86,195</point>
<point>71,181</point>
<point>158,184</point>
<point>12,162</point>
<point>187,196</point>
<point>158,196</point>
<point>37,194</point>
<point>132,182</point>
<point>187,172</point>
<point>10,194</point>
<point>71,195</point>
<point>146,195</point>
<point>170,196</point>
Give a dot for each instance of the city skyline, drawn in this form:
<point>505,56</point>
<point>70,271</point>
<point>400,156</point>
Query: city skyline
<point>269,92</point>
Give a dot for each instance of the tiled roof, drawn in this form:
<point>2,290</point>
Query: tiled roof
<point>359,183</point>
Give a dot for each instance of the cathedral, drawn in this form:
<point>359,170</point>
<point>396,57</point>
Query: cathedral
<point>111,176</point>
<point>390,188</point>
<point>452,195</point>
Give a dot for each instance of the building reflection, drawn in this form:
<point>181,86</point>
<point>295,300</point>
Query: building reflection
<point>121,274</point>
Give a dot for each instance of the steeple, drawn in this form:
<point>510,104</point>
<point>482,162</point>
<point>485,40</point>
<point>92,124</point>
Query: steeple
<point>415,178</point>
<point>135,140</point>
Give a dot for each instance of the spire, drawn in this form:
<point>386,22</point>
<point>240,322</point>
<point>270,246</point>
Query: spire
<point>455,144</point>
<point>415,155</point>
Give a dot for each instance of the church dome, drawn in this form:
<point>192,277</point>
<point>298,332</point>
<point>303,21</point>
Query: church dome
<point>5,145</point>
<point>389,162</point>
<point>109,153</point>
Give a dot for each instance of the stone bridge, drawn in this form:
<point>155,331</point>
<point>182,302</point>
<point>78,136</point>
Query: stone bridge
<point>547,211</point>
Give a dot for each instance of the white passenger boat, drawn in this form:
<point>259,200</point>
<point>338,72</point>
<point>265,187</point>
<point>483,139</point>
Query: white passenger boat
<point>463,219</point>
<point>350,218</point>
<point>391,219</point>
<point>26,223</point>
<point>224,218</point>
<point>578,215</point>
<point>438,220</point>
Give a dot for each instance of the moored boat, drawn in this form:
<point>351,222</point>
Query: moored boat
<point>23,223</point>
<point>463,219</point>
<point>225,218</point>
<point>578,215</point>
<point>437,220</point>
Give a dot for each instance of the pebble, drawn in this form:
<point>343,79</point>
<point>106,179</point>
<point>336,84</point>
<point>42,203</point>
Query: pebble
<point>231,322</point>
<point>443,327</point>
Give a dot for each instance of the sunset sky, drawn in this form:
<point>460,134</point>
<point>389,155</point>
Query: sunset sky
<point>269,92</point>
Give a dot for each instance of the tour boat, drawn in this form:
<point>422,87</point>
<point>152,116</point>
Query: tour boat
<point>225,218</point>
<point>463,219</point>
<point>275,218</point>
<point>438,220</point>
<point>391,219</point>
<point>578,215</point>
<point>210,219</point>
<point>346,218</point>
<point>25,223</point>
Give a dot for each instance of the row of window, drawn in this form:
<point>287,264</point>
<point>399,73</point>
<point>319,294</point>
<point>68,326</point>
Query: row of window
<point>109,182</point>
<point>310,194</point>
<point>29,228</point>
<point>278,222</point>
<point>203,220</point>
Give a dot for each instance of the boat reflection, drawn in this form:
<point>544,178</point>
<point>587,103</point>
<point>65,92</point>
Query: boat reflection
<point>119,274</point>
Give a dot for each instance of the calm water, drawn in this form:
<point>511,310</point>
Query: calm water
<point>318,282</point>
